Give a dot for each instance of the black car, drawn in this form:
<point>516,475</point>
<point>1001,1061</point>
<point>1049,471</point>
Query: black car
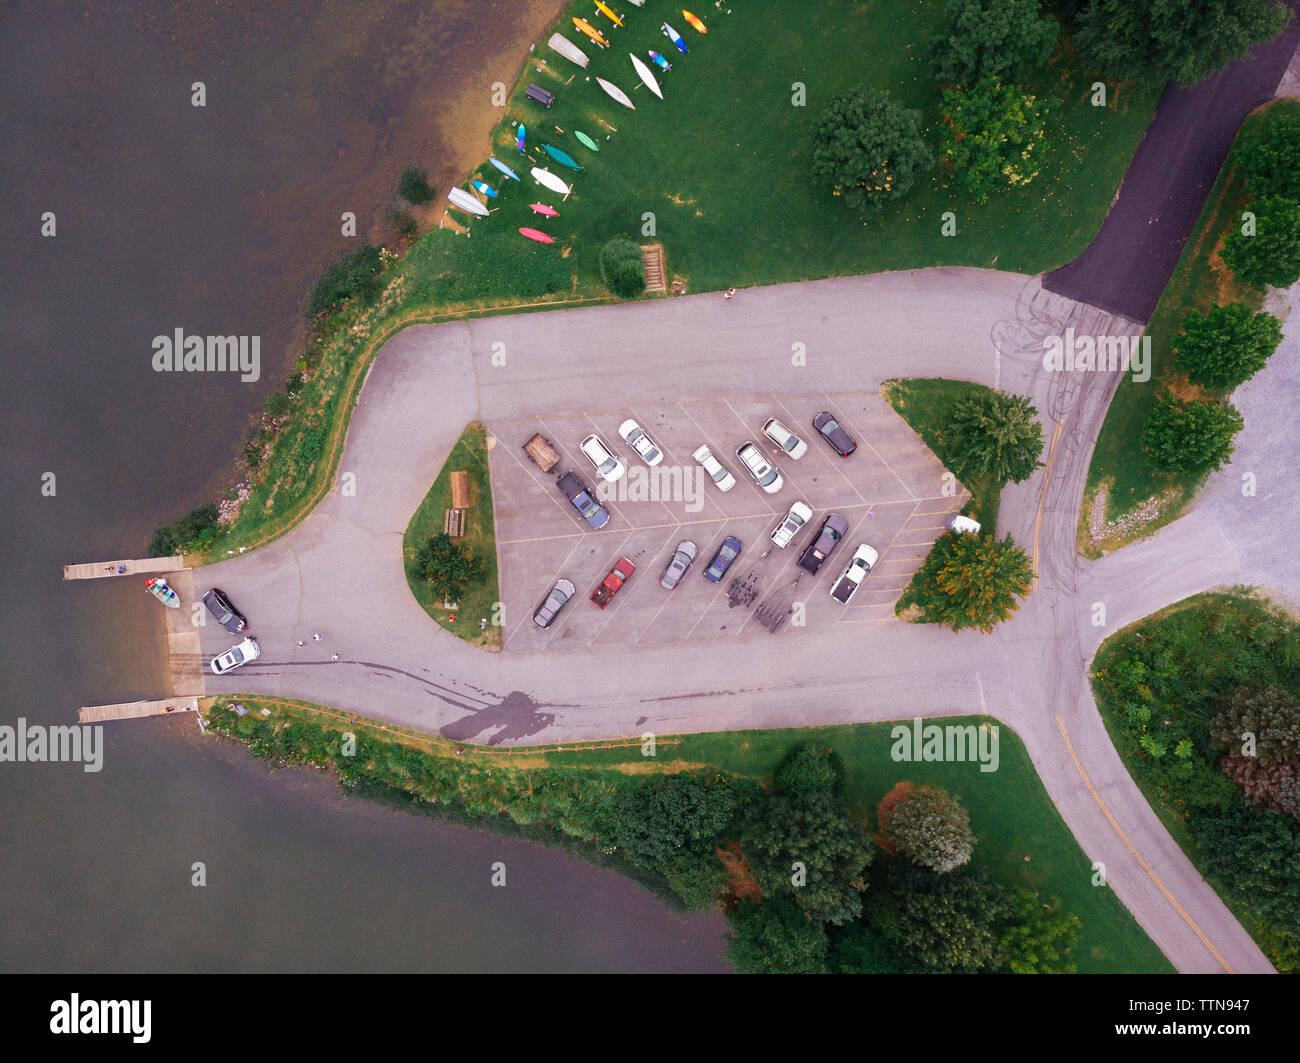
<point>576,492</point>
<point>833,530</point>
<point>834,434</point>
<point>227,615</point>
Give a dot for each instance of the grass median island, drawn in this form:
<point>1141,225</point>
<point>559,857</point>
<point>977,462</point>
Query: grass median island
<point>579,798</point>
<point>481,597</point>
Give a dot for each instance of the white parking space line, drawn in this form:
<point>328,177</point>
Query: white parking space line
<point>820,454</point>
<point>883,552</point>
<point>550,632</point>
<point>627,463</point>
<point>617,599</point>
<point>668,598</point>
<point>867,443</point>
<point>549,493</point>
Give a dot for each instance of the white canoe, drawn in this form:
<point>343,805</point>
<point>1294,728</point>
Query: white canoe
<point>615,93</point>
<point>569,50</point>
<point>549,180</point>
<point>458,197</point>
<point>643,72</point>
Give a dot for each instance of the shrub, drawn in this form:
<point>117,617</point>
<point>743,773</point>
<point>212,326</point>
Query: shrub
<point>413,186</point>
<point>1271,255</point>
<point>277,404</point>
<point>195,529</point>
<point>354,276</point>
<point>623,268</point>
<point>1267,156</point>
<point>933,829</point>
<point>1227,346</point>
<point>1189,436</point>
<point>1004,39</point>
<point>775,937</point>
<point>809,769</point>
<point>447,566</point>
<point>994,136</point>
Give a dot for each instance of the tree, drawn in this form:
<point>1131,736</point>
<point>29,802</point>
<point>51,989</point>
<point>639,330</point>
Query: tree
<point>862,951</point>
<point>1039,937</point>
<point>1190,436</point>
<point>193,531</point>
<point>775,937</point>
<point>1003,39</point>
<point>623,267</point>
<point>931,828</point>
<point>1227,346</point>
<point>354,276</point>
<point>813,831</point>
<point>447,565</point>
<point>809,769</point>
<point>696,878</point>
<point>670,813</point>
<point>1270,715</point>
<point>1267,155</point>
<point>972,581</point>
<point>993,136</point>
<point>413,186</point>
<point>1256,856</point>
<point>868,149</point>
<point>941,923</point>
<point>1173,40</point>
<point>1271,253</point>
<point>994,434</point>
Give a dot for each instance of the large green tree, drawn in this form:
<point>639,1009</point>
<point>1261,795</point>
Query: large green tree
<point>447,565</point>
<point>1267,155</point>
<point>1270,254</point>
<point>995,434</point>
<point>1227,346</point>
<point>972,581</point>
<point>1039,937</point>
<point>1189,436</point>
<point>868,149</point>
<point>1004,39</point>
<point>1256,855</point>
<point>1172,40</point>
<point>993,136</point>
<point>933,829</point>
<point>671,813</point>
<point>941,923</point>
<point>775,937</point>
<point>1269,715</point>
<point>696,878</point>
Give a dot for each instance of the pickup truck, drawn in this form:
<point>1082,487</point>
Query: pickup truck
<point>833,530</point>
<point>864,560</point>
<point>610,585</point>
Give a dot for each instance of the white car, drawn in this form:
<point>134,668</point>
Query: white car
<point>763,471</point>
<point>595,451</point>
<point>639,440</point>
<point>246,651</point>
<point>799,515</point>
<point>790,443</point>
<point>864,560</point>
<point>962,525</point>
<point>722,479</point>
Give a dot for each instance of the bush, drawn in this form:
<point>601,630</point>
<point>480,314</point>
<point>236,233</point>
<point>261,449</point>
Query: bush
<point>1272,254</point>
<point>623,268</point>
<point>413,186</point>
<point>447,566</point>
<point>670,814</point>
<point>809,769</point>
<point>1189,436</point>
<point>1227,346</point>
<point>1004,39</point>
<point>277,404</point>
<point>403,222</point>
<point>994,136</point>
<point>1267,156</point>
<point>195,529</point>
<point>354,276</point>
<point>775,937</point>
<point>696,878</point>
<point>941,923</point>
<point>868,149</point>
<point>933,829</point>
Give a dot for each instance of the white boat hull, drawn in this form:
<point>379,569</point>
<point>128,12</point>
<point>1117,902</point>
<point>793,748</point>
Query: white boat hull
<point>615,93</point>
<point>643,72</point>
<point>549,180</point>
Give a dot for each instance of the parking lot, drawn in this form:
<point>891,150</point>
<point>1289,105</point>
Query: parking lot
<point>891,492</point>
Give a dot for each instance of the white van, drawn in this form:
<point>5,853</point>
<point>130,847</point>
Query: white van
<point>960,525</point>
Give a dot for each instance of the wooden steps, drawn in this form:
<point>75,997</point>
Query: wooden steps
<point>653,257</point>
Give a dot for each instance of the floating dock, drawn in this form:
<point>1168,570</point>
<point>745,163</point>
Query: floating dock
<point>111,569</point>
<point>130,710</point>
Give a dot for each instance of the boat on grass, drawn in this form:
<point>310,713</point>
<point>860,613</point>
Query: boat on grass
<point>615,93</point>
<point>647,78</point>
<point>538,235</point>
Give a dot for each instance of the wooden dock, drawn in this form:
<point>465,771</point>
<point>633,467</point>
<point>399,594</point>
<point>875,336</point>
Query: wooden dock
<point>108,569</point>
<point>130,710</point>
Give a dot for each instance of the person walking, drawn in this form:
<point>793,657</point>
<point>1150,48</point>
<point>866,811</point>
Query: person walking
<point>730,293</point>
<point>317,636</point>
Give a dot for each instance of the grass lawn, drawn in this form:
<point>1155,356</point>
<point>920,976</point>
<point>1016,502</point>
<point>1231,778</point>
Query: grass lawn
<point>1200,281</point>
<point>480,598</point>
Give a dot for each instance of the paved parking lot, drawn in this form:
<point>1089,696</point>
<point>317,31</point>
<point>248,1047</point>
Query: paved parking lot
<point>891,492</point>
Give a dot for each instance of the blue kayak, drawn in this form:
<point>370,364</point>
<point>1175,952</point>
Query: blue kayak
<point>504,168</point>
<point>660,61</point>
<point>676,38</point>
<point>562,157</point>
<point>485,188</point>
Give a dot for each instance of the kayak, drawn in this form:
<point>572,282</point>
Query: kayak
<point>159,589</point>
<point>521,137</point>
<point>503,168</point>
<point>462,200</point>
<point>615,93</point>
<point>569,50</point>
<point>549,180</point>
<point>584,139</point>
<point>647,78</point>
<point>694,21</point>
<point>608,13</point>
<point>661,62</point>
<point>583,26</point>
<point>485,188</point>
<point>540,237</point>
<point>676,38</point>
<point>562,157</point>
<point>542,208</point>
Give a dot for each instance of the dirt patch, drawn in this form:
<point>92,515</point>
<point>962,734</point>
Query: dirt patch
<point>741,885</point>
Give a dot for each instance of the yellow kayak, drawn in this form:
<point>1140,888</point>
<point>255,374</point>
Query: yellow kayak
<point>583,26</point>
<point>694,21</point>
<point>608,13</point>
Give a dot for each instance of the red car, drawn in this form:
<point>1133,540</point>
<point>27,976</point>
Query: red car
<point>609,587</point>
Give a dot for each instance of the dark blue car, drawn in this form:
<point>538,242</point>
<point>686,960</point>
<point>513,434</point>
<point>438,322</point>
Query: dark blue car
<point>727,553</point>
<point>576,492</point>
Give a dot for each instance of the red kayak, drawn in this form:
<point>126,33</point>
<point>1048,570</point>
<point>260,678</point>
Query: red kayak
<point>540,237</point>
<point>542,208</point>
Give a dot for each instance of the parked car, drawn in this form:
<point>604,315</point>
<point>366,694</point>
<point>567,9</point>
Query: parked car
<point>227,615</point>
<point>799,515</point>
<point>762,470</point>
<point>790,443</point>
<point>833,432</point>
<point>727,553</point>
<point>595,451</point>
<point>555,601</point>
<point>682,558</point>
<point>639,440</point>
<point>612,583</point>
<point>833,529</point>
<point>864,560</point>
<point>962,525</point>
<point>596,515</point>
<point>722,479</point>
<point>246,651</point>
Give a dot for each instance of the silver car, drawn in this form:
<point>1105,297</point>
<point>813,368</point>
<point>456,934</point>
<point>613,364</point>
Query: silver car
<point>246,651</point>
<point>682,558</point>
<point>722,479</point>
<point>555,601</point>
<point>595,451</point>
<point>799,515</point>
<point>762,470</point>
<point>639,440</point>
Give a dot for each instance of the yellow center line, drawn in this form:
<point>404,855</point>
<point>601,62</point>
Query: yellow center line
<point>1124,838</point>
<point>1042,496</point>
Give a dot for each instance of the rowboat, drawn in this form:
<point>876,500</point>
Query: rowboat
<point>694,21</point>
<point>639,3</point>
<point>675,37</point>
<point>462,200</point>
<point>503,168</point>
<point>615,93</point>
<point>538,235</point>
<point>547,179</point>
<point>562,157</point>
<point>542,208</point>
<point>521,137</point>
<point>583,26</point>
<point>643,72</point>
<point>660,61</point>
<point>159,589</point>
<point>569,50</point>
<point>485,188</point>
<point>608,13</point>
<point>584,139</point>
